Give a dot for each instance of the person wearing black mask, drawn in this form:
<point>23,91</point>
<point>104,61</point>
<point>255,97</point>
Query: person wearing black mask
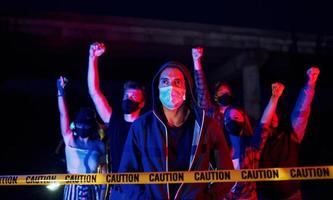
<point>234,121</point>
<point>240,135</point>
<point>223,97</point>
<point>85,152</point>
<point>117,124</point>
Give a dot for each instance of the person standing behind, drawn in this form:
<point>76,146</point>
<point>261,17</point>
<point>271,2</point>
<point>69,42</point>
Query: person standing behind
<point>175,136</point>
<point>117,124</point>
<point>223,96</point>
<point>281,139</point>
<point>235,123</point>
<point>84,151</point>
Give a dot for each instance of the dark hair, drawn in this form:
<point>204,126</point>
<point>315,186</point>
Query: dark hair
<point>218,84</point>
<point>87,116</point>
<point>135,85</point>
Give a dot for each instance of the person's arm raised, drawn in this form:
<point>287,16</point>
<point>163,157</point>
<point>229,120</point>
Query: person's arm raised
<point>203,97</point>
<point>102,106</point>
<point>270,110</point>
<point>63,111</point>
<point>301,112</point>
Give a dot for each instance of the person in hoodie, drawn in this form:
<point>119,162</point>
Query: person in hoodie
<point>175,136</point>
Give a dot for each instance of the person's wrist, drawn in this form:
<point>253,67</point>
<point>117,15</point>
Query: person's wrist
<point>92,56</point>
<point>310,84</point>
<point>197,65</point>
<point>61,93</point>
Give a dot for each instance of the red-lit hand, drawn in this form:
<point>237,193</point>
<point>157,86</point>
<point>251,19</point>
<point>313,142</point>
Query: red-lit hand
<point>96,49</point>
<point>277,89</point>
<point>312,73</point>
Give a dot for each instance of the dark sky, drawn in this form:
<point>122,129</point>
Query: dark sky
<point>295,15</point>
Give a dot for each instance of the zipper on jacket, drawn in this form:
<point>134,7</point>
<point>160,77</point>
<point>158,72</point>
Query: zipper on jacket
<point>203,118</point>
<point>166,151</point>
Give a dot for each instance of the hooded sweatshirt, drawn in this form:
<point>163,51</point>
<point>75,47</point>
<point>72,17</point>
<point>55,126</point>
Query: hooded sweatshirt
<point>146,149</point>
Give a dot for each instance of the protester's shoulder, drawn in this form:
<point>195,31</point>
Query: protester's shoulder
<point>144,119</point>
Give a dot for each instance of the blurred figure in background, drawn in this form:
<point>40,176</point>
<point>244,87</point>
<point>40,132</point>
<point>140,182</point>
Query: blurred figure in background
<point>281,138</point>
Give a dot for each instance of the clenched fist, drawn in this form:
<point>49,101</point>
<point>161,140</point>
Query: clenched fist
<point>277,89</point>
<point>96,49</point>
<point>197,53</point>
<point>312,73</point>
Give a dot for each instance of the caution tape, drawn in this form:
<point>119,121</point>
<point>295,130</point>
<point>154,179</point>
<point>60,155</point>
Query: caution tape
<point>262,174</point>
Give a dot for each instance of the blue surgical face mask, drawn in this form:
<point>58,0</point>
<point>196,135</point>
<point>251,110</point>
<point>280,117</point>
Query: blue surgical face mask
<point>172,97</point>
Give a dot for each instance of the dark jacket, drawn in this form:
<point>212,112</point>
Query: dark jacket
<point>146,149</point>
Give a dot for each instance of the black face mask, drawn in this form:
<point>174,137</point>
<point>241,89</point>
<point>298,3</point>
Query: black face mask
<point>234,127</point>
<point>225,100</point>
<point>129,106</point>
<point>84,131</point>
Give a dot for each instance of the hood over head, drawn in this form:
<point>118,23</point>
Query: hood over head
<point>190,100</point>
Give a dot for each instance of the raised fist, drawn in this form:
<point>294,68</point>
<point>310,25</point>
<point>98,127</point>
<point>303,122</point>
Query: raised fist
<point>61,83</point>
<point>197,53</point>
<point>277,89</point>
<point>96,49</point>
<point>312,73</point>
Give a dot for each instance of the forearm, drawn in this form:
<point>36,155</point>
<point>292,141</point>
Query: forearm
<point>301,112</point>
<point>103,108</point>
<point>93,75</point>
<point>64,118</point>
<point>269,111</point>
<point>202,90</point>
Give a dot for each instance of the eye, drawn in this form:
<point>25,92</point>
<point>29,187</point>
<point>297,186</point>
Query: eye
<point>178,82</point>
<point>164,82</point>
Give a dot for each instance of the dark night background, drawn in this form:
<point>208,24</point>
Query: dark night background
<point>30,64</point>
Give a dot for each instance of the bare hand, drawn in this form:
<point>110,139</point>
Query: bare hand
<point>197,53</point>
<point>312,73</point>
<point>96,49</point>
<point>277,89</point>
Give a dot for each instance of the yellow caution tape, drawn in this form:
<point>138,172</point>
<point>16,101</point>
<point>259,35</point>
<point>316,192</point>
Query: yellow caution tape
<point>262,174</point>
